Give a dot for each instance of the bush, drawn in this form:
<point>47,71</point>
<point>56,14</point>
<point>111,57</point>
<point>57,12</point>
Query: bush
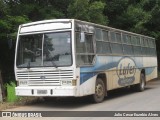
<point>11,97</point>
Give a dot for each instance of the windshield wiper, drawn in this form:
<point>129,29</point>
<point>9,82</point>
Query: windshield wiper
<point>28,65</point>
<point>54,64</point>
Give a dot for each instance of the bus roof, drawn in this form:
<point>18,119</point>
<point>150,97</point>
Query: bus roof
<point>70,20</point>
<point>46,21</point>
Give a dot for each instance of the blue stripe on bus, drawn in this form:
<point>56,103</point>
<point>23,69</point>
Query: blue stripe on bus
<point>104,63</point>
<point>149,70</point>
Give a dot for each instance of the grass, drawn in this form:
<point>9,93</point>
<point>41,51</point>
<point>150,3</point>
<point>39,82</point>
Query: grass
<point>13,101</point>
<point>11,96</point>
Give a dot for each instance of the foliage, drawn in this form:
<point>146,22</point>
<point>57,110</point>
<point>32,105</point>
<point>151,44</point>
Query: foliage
<point>11,97</point>
<point>96,10</point>
<point>79,10</point>
<point>84,10</point>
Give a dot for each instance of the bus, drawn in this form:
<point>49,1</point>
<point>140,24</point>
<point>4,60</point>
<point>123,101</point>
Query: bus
<point>73,58</point>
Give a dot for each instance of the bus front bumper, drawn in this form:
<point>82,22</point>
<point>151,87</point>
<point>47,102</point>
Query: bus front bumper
<point>46,91</point>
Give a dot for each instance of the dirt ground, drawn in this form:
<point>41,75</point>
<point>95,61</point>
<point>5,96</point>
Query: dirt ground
<point>20,102</point>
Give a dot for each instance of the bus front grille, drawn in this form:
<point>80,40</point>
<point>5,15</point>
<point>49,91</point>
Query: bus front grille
<point>45,78</point>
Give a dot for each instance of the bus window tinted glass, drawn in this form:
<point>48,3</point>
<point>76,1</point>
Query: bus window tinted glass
<point>103,47</point>
<point>85,59</point>
<point>80,45</point>
<point>113,37</point>
<point>105,35</point>
<point>145,51</point>
<point>128,49</point>
<point>126,39</point>
<point>135,40</point>
<point>137,50</point>
<point>151,43</point>
<point>118,37</point>
<point>84,49</point>
<point>152,51</point>
<point>98,34</point>
<point>144,42</point>
<point>89,43</point>
<point>116,48</point>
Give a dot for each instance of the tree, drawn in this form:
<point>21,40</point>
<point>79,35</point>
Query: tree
<point>96,13</point>
<point>84,10</point>
<point>134,19</point>
<point>113,10</point>
<point>2,9</point>
<point>8,32</point>
<point>153,26</point>
<point>35,10</point>
<point>79,10</point>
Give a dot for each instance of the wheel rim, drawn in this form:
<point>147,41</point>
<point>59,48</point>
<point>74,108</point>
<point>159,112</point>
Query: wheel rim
<point>99,90</point>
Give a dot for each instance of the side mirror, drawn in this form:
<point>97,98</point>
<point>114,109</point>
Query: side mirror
<point>82,37</point>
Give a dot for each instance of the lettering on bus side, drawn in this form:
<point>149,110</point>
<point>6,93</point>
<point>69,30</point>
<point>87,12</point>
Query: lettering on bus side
<point>126,70</point>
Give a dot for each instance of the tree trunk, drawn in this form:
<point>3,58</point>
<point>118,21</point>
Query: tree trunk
<point>2,94</point>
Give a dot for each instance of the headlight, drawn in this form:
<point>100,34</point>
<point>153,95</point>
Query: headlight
<point>23,83</point>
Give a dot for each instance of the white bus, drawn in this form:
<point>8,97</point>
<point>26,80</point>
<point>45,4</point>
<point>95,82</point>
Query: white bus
<point>68,57</point>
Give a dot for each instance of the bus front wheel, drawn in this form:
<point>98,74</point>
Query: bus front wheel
<point>99,91</point>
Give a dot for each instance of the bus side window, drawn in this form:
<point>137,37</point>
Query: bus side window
<point>118,37</point>
<point>128,49</point>
<point>98,34</point>
<point>135,40</point>
<point>116,48</point>
<point>103,47</point>
<point>105,35</point>
<point>152,51</point>
<point>80,45</point>
<point>84,49</point>
<point>137,50</point>
<point>151,43</point>
<point>89,43</point>
<point>126,39</point>
<point>113,37</point>
<point>144,51</point>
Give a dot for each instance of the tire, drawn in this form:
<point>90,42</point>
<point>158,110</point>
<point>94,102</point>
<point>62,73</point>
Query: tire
<point>99,91</point>
<point>141,86</point>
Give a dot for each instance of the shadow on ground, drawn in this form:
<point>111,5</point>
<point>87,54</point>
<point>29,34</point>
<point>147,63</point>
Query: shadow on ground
<point>77,102</point>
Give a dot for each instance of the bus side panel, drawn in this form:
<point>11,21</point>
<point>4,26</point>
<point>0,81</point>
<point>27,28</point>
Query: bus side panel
<point>139,66</point>
<point>86,82</point>
<point>126,72</point>
<point>112,79</point>
<point>151,73</point>
<point>88,74</point>
<point>109,75</point>
<point>120,71</point>
<point>150,66</point>
<point>88,87</point>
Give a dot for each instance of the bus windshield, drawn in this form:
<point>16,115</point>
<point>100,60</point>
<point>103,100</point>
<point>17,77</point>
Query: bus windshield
<point>44,50</point>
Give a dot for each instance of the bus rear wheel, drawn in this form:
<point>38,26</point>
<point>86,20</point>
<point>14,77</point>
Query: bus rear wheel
<point>99,91</point>
<point>141,86</point>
